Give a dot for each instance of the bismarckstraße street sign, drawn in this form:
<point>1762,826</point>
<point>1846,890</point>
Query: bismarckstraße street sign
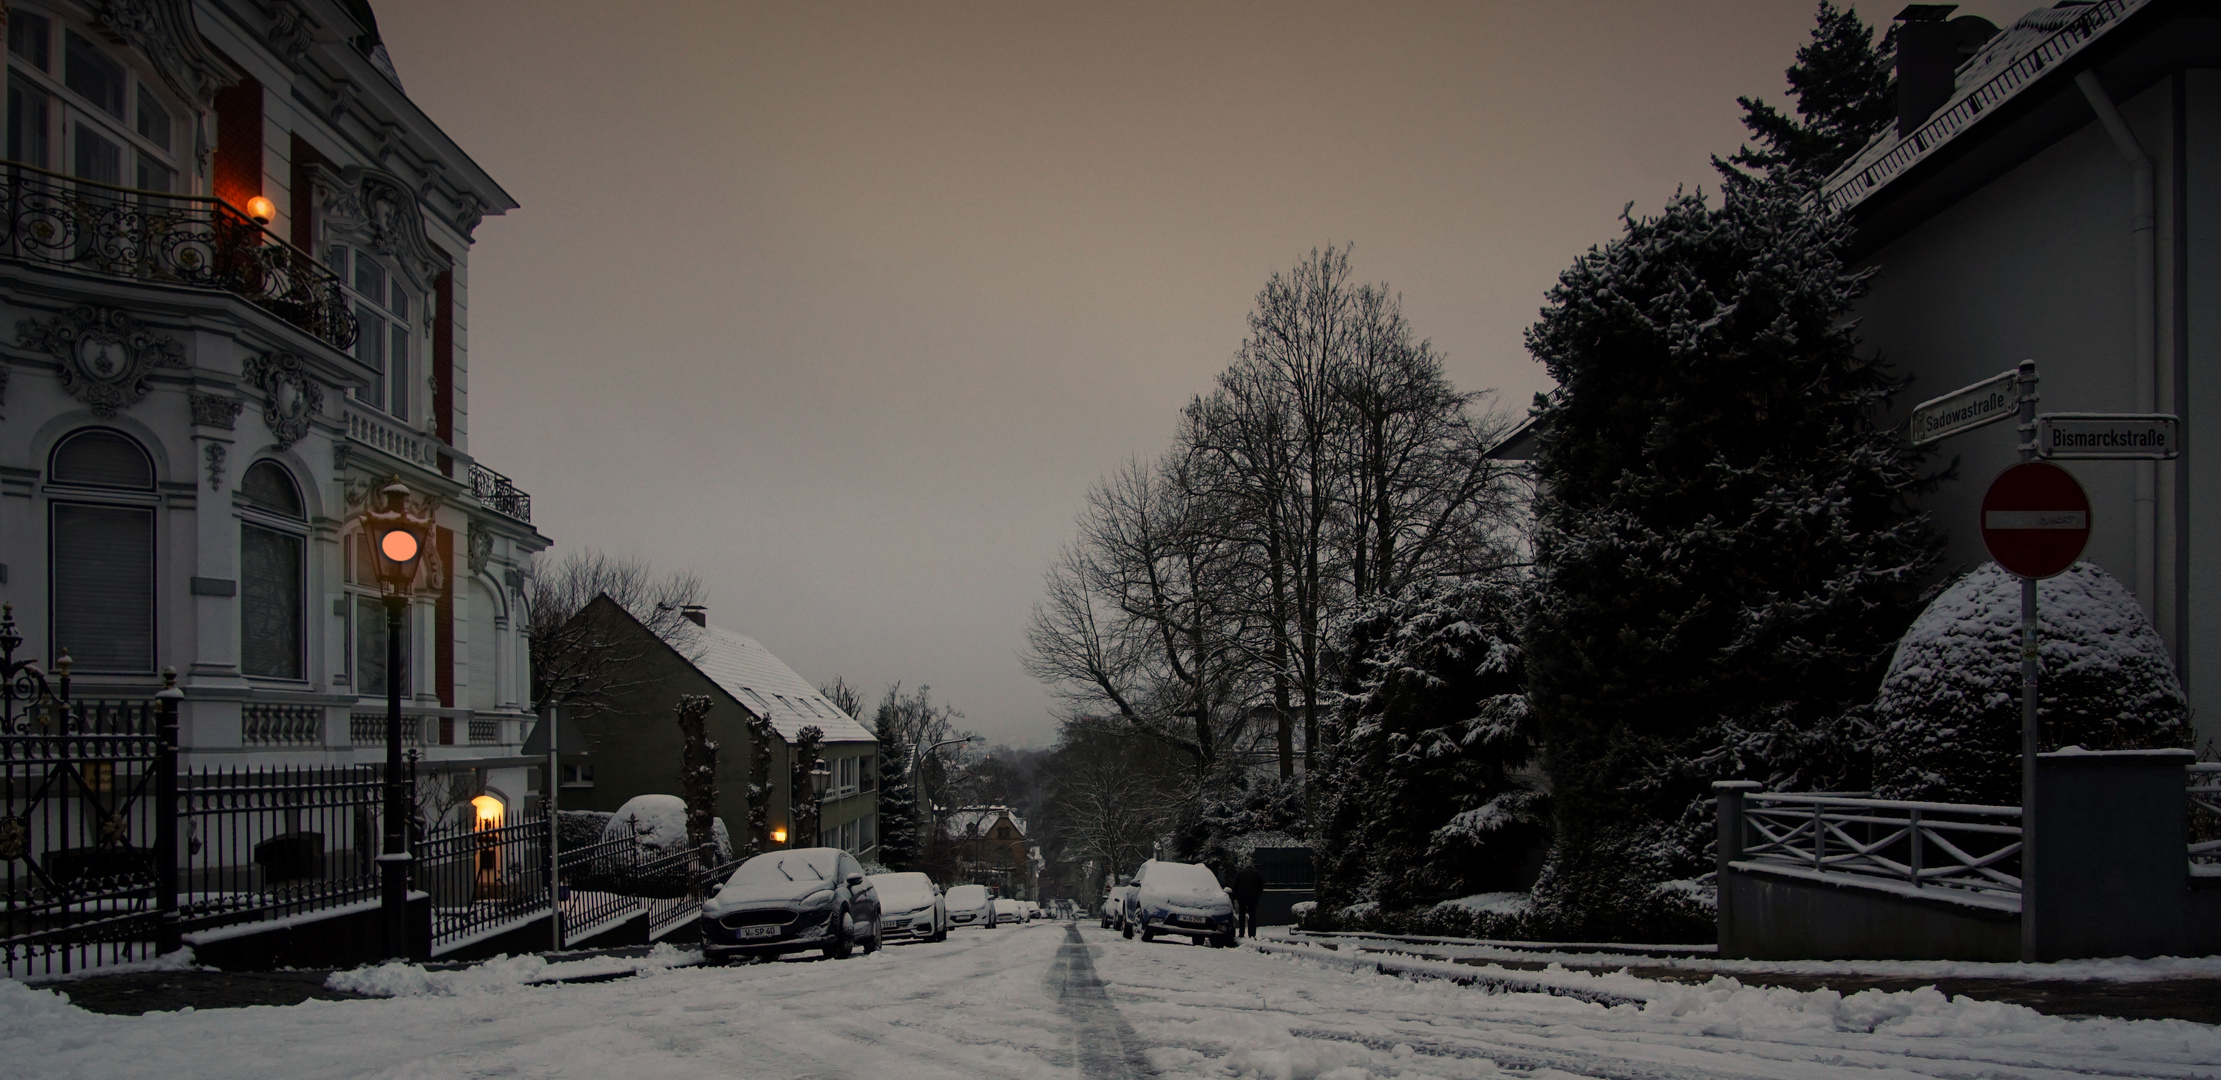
<point>2035,519</point>
<point>2094,436</point>
<point>1966,408</point>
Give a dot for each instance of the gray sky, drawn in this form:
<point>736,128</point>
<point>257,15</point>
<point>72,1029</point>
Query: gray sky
<point>844,306</point>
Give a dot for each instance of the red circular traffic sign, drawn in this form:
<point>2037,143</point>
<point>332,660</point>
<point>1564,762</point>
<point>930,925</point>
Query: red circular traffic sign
<point>2035,519</point>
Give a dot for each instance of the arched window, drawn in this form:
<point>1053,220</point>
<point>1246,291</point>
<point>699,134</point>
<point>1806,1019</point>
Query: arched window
<point>101,551</point>
<point>273,547</point>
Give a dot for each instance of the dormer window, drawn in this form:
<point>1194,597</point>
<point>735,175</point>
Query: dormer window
<point>75,105</point>
<point>382,307</point>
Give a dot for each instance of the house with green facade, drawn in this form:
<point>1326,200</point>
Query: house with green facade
<point>633,746</point>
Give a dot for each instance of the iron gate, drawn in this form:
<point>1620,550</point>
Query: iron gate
<point>88,858</point>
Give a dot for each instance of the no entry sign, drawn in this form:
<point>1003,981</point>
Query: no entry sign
<point>2035,519</point>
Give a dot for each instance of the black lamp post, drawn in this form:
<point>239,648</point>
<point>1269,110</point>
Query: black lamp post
<point>397,541</point>
<point>820,778</point>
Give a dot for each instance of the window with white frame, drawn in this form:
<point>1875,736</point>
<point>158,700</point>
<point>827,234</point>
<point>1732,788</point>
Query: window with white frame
<point>273,549</point>
<point>367,622</point>
<point>386,343</point>
<point>101,508</point>
<point>76,106</point>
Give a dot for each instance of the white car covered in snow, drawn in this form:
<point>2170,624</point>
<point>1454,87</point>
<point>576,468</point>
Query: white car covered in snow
<point>1180,898</point>
<point>969,905</point>
<point>1010,911</point>
<point>911,908</point>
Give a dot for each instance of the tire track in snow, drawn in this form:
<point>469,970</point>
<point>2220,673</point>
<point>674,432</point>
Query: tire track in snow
<point>1108,1048</point>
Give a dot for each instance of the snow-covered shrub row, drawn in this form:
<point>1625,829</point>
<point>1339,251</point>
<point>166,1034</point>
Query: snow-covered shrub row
<point>1950,704</point>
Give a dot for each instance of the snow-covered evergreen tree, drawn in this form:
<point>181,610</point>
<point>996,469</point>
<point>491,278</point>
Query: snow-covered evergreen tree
<point>1725,555</point>
<point>1950,711</point>
<point>1845,94</point>
<point>898,803</point>
<point>1420,796</point>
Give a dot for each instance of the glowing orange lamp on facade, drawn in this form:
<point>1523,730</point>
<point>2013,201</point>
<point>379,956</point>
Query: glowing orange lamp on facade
<point>261,210</point>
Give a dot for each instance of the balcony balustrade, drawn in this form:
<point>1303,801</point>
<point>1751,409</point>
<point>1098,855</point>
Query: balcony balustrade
<point>382,434</point>
<point>119,232</point>
<point>499,495</point>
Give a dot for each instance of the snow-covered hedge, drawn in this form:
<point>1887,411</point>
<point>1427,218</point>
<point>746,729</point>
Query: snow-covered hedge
<point>1949,708</point>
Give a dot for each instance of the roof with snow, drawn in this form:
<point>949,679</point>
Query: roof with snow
<point>2005,65</point>
<point>976,820</point>
<point>763,685</point>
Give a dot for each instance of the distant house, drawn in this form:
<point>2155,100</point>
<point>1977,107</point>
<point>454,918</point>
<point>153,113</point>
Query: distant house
<point>996,850</point>
<point>633,746</point>
<point>2049,193</point>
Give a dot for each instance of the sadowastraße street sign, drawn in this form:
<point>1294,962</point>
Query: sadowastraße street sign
<point>1969,407</point>
<point>2096,436</point>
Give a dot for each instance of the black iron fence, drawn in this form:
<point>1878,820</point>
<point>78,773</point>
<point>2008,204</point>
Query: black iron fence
<point>483,878</point>
<point>180,239</point>
<point>268,842</point>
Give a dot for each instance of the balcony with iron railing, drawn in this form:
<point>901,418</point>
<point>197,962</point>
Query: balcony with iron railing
<point>499,495</point>
<point>151,236</point>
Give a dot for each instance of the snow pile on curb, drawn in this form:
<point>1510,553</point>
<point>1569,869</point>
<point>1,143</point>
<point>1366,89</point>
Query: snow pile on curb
<point>399,978</point>
<point>20,1004</point>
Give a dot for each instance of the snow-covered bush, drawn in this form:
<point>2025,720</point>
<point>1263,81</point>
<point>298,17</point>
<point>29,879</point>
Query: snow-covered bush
<point>657,826</point>
<point>1725,553</point>
<point>1950,704</point>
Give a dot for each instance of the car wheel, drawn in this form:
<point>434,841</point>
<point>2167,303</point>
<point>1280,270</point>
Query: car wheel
<point>1147,935</point>
<point>1129,931</point>
<point>716,959</point>
<point>843,944</point>
<point>871,944</point>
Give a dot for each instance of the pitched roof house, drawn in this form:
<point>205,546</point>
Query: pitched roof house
<point>633,746</point>
<point>2056,196</point>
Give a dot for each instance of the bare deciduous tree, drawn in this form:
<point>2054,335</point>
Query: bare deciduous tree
<point>585,665</point>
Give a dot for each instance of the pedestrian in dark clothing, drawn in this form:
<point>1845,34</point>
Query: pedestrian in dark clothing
<point>1249,888</point>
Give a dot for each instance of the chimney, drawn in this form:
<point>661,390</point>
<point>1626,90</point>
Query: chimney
<point>698,614</point>
<point>1930,48</point>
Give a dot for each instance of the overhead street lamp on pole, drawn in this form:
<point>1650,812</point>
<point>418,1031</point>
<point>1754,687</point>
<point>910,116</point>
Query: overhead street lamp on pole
<point>917,771</point>
<point>397,539</point>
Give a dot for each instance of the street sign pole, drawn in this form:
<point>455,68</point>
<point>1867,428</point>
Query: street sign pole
<point>2030,669</point>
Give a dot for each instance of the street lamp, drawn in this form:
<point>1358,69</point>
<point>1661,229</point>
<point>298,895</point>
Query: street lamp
<point>820,778</point>
<point>397,539</point>
<point>917,765</point>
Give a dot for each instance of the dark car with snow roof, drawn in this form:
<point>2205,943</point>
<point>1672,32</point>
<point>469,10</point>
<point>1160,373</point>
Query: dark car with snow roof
<point>792,901</point>
<point>1180,898</point>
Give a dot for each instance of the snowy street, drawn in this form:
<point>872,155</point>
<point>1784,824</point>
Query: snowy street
<point>1020,1002</point>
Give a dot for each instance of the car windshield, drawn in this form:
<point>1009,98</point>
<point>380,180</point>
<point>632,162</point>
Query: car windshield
<point>903,892</point>
<point>781,875</point>
<point>1183,881</point>
<point>964,897</point>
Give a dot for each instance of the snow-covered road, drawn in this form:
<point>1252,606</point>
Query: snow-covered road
<point>1021,1002</point>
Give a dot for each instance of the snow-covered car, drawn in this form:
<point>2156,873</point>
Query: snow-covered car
<point>910,908</point>
<point>1109,912</point>
<point>1125,896</point>
<point>1009,911</point>
<point>792,901</point>
<point>969,905</point>
<point>1181,898</point>
<point>1033,911</point>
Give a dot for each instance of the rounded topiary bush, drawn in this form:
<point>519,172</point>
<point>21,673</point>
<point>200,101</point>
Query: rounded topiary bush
<point>1949,709</point>
<point>657,824</point>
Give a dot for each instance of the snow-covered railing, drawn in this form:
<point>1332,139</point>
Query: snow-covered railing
<point>2205,814</point>
<point>1947,847</point>
<point>1845,189</point>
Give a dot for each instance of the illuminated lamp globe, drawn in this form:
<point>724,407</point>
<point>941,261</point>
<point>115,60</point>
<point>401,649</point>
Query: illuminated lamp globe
<point>779,835</point>
<point>261,210</point>
<point>400,545</point>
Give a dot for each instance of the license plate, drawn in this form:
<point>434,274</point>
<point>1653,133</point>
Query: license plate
<point>1195,920</point>
<point>766,930</point>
